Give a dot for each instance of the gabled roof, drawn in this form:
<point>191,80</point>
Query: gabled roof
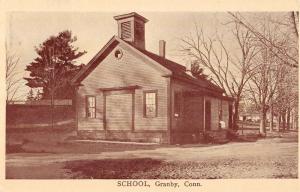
<point>178,71</point>
<point>93,63</point>
<point>172,66</point>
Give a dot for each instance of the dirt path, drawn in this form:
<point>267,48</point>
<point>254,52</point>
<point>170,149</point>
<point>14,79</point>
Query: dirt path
<point>266,158</point>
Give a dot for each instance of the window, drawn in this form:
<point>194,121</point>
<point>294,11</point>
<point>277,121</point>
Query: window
<point>118,54</point>
<point>91,107</point>
<point>150,103</point>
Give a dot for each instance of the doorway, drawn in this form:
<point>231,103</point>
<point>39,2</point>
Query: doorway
<point>207,115</point>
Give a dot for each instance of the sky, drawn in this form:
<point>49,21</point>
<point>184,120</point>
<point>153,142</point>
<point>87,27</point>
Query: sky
<point>26,30</point>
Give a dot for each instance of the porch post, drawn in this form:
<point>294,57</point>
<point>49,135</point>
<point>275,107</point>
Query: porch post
<point>204,125</point>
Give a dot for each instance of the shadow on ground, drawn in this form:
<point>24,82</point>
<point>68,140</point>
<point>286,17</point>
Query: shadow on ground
<point>139,168</point>
<point>113,168</point>
<point>79,148</point>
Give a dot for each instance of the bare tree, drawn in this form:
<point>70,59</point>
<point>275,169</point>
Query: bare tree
<point>286,53</point>
<point>286,98</point>
<point>263,85</point>
<point>294,15</point>
<point>278,39</point>
<point>273,89</point>
<point>13,79</point>
<point>228,70</point>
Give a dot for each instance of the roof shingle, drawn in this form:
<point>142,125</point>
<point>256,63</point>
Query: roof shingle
<point>179,71</point>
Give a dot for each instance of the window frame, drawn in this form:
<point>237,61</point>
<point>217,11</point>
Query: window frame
<point>145,104</point>
<point>87,106</point>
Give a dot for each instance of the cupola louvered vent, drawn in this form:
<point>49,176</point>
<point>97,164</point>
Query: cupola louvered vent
<point>126,30</point>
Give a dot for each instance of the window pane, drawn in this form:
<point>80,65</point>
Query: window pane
<point>91,113</point>
<point>150,98</point>
<point>150,111</point>
<point>150,105</point>
<point>91,107</point>
<point>91,101</point>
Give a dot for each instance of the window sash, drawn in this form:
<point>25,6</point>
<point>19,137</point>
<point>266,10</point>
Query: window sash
<point>150,104</point>
<point>91,107</point>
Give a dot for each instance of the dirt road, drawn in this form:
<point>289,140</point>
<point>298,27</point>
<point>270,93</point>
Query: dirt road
<point>265,158</point>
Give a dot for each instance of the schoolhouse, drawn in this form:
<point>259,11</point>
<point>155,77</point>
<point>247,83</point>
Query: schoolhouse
<point>127,93</point>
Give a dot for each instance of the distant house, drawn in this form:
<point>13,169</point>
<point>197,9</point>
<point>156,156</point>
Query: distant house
<point>128,93</point>
<point>254,116</point>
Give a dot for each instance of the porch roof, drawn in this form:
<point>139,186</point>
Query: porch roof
<point>209,94</point>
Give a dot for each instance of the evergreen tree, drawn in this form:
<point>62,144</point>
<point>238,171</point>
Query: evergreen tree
<point>197,71</point>
<point>55,66</point>
<point>30,96</point>
<point>39,95</point>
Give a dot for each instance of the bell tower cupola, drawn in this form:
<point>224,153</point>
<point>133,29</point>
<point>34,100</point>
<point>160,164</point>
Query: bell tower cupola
<point>131,28</point>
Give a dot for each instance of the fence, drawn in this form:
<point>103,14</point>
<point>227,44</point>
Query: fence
<point>39,114</point>
<point>42,102</point>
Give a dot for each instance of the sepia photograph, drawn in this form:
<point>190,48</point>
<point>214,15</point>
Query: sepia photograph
<point>151,95</point>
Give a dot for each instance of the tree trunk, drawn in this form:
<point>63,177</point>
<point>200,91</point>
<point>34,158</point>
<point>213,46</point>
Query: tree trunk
<point>262,127</point>
<point>296,120</point>
<point>236,114</point>
<point>283,121</point>
<point>271,118</point>
<point>278,122</point>
<point>292,120</point>
<point>288,119</point>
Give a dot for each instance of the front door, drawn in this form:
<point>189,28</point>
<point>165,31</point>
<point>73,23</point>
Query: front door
<point>119,112</point>
<point>230,116</point>
<point>207,115</point>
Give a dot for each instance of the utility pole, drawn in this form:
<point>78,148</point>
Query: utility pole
<point>52,87</point>
<point>51,68</point>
